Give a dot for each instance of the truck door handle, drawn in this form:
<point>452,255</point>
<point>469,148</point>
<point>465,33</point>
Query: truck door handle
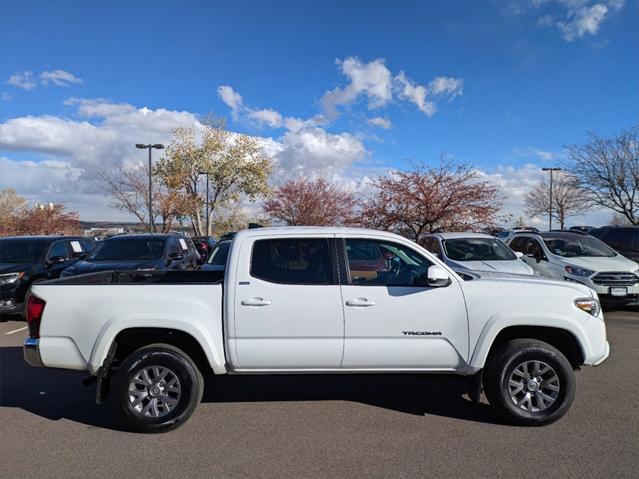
<point>361,302</point>
<point>255,302</point>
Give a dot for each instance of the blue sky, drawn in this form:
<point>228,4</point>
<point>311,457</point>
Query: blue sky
<point>504,85</point>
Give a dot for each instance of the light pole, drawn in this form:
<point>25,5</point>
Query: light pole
<point>157,146</point>
<point>207,199</point>
<point>550,202</point>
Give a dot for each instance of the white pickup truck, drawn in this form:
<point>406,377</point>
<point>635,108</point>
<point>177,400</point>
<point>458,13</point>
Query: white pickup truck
<point>316,300</point>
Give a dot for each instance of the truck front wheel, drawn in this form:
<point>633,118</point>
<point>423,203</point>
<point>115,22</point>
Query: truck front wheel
<point>529,382</point>
<point>156,389</point>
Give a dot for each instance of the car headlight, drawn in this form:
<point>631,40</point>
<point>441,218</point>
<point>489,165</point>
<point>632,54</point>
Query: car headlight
<point>579,271</point>
<point>589,305</point>
<point>10,278</point>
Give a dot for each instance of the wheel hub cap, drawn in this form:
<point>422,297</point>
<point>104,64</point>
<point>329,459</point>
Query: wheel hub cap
<point>533,386</point>
<point>154,391</point>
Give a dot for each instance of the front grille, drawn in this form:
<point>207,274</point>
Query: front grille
<point>615,279</point>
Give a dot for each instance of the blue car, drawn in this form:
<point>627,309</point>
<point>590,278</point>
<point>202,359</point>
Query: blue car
<point>146,252</point>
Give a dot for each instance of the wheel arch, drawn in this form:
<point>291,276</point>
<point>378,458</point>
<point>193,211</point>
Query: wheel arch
<point>562,334</point>
<point>127,336</point>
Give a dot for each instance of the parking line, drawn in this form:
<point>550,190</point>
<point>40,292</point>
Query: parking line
<point>16,330</point>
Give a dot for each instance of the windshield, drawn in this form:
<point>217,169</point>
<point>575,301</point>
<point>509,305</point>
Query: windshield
<point>219,254</point>
<point>575,247</point>
<point>124,249</point>
<point>478,249</point>
<point>22,250</point>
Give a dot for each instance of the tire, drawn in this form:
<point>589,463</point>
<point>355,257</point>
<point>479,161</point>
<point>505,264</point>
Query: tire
<point>156,389</point>
<point>547,394</point>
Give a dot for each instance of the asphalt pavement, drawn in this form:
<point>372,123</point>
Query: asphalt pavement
<point>322,426</point>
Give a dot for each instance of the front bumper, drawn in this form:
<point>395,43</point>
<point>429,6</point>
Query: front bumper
<point>604,357</point>
<point>31,352</point>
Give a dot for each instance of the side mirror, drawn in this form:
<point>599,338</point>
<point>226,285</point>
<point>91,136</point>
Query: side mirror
<point>519,254</point>
<point>436,277</point>
<point>56,260</point>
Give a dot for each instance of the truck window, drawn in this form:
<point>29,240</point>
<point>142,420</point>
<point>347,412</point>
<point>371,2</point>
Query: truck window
<point>381,263</point>
<point>292,261</point>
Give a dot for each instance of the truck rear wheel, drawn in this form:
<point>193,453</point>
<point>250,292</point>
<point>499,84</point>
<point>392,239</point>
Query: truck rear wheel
<point>156,389</point>
<point>529,382</point>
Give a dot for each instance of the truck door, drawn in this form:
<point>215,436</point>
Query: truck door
<point>390,321</point>
<point>288,308</point>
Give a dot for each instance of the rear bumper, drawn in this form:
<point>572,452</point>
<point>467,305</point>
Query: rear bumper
<point>31,352</point>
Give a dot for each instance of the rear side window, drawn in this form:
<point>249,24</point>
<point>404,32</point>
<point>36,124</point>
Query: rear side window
<point>519,244</point>
<point>292,261</point>
<point>59,248</point>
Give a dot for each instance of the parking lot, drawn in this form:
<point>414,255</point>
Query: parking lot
<point>322,426</point>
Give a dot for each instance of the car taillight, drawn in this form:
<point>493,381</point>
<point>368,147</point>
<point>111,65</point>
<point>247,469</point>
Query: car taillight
<point>35,308</point>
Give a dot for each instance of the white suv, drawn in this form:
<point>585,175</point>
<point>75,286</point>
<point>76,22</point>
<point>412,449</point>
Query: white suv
<point>580,258</point>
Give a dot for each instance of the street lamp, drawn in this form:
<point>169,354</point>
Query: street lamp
<point>550,202</point>
<point>157,146</point>
<point>207,199</point>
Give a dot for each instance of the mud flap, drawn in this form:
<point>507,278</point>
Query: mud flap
<point>103,377</point>
<point>476,386</point>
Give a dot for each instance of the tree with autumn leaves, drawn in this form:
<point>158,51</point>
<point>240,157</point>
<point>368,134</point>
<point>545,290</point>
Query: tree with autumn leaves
<point>307,202</point>
<point>18,218</point>
<point>448,196</point>
<point>413,202</point>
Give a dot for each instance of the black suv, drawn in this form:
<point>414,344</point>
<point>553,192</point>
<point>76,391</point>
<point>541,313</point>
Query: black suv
<point>623,239</point>
<point>25,260</point>
<point>148,252</point>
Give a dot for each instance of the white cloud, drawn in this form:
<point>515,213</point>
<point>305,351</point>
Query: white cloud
<point>24,80</point>
<point>372,79</point>
<point>268,117</point>
<point>67,153</point>
<point>416,94</point>
<point>446,86</point>
<point>381,122</point>
<point>539,153</point>
<point>59,78</point>
<point>575,18</point>
<point>232,99</point>
<point>582,21</point>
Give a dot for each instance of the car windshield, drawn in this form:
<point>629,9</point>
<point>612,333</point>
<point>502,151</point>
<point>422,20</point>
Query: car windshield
<point>575,247</point>
<point>22,250</point>
<point>477,249</point>
<point>123,249</point>
<point>219,254</point>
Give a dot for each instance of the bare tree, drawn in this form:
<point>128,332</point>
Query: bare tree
<point>129,188</point>
<point>449,196</point>
<point>568,199</point>
<point>305,202</point>
<point>608,169</point>
<point>10,203</point>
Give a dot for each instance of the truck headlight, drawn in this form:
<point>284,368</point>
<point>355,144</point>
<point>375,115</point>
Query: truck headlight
<point>589,305</point>
<point>10,278</point>
<point>579,271</point>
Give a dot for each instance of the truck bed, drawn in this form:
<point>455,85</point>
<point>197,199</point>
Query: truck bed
<point>142,277</point>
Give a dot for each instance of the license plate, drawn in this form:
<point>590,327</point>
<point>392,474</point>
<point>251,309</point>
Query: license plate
<point>618,291</point>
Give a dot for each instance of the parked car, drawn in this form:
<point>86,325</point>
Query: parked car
<point>148,252</point>
<point>580,258</point>
<point>583,229</point>
<point>507,235</point>
<point>26,260</point>
<point>475,252</point>
<point>204,245</point>
<point>291,301</point>
<point>623,239</point>
<point>217,258</point>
